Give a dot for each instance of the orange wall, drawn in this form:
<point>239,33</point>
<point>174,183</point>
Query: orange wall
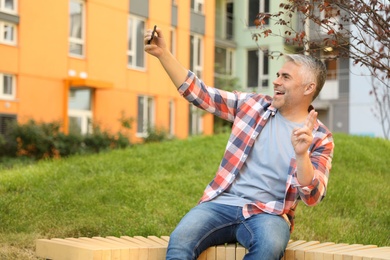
<point>42,64</point>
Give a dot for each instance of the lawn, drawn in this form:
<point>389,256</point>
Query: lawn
<point>146,189</point>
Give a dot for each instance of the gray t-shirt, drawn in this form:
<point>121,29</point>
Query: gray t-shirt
<point>264,174</point>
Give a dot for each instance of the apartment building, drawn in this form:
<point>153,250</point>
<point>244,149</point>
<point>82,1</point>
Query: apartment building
<point>82,62</point>
<point>239,56</point>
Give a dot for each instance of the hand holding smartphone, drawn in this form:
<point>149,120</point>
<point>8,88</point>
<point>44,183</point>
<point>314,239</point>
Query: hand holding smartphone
<point>153,33</point>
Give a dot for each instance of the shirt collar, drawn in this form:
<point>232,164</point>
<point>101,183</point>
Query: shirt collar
<point>272,110</point>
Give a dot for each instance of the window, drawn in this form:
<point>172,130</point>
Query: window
<point>8,6</point>
<point>76,28</point>
<point>196,55</point>
<point>195,120</point>
<point>145,120</point>
<point>7,33</point>
<point>7,83</point>
<point>5,123</point>
<point>171,118</point>
<point>135,52</point>
<point>80,110</point>
<point>258,69</point>
<point>332,69</point>
<point>197,6</point>
<point>173,41</point>
<point>230,20</point>
<point>224,74</point>
<point>224,61</point>
<point>80,122</point>
<point>255,7</point>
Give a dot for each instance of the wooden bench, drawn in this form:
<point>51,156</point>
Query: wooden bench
<point>154,248</point>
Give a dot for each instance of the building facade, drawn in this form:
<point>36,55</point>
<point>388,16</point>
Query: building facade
<point>82,62</point>
<point>240,56</point>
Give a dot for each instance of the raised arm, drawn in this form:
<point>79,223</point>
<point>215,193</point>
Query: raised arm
<point>158,48</point>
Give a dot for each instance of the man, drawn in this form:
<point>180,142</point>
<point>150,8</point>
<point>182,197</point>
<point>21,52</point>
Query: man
<point>278,153</point>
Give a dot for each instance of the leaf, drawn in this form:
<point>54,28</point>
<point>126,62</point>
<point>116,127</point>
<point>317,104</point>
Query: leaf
<point>331,31</point>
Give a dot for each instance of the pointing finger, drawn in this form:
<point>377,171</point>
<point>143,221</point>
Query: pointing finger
<point>311,119</point>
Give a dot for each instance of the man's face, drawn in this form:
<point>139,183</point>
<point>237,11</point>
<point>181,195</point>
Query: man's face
<point>288,87</point>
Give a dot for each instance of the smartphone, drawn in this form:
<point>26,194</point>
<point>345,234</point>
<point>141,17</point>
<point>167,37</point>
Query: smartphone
<point>153,33</point>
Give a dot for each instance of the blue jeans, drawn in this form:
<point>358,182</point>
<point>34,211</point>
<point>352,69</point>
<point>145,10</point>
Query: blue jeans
<point>209,224</point>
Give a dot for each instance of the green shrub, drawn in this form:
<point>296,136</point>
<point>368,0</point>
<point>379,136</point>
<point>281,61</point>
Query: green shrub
<point>156,135</point>
<point>31,139</point>
<point>70,144</point>
<point>44,140</point>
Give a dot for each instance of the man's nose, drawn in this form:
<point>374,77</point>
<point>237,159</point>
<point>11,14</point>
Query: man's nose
<point>276,81</point>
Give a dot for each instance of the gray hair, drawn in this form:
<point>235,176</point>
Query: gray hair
<point>314,65</point>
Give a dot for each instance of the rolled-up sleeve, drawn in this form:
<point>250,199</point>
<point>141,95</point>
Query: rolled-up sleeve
<point>218,102</point>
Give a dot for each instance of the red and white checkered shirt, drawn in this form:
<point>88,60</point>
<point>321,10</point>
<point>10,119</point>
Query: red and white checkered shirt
<point>249,113</point>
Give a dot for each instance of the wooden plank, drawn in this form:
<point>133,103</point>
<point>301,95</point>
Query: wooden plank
<point>107,251</point>
<point>329,255</point>
<point>159,251</point>
<point>319,252</point>
<point>49,249</point>
<point>124,250</point>
<point>341,254</point>
<point>292,244</point>
<point>158,240</point>
<point>211,253</point>
<point>104,254</point>
<point>230,253</point>
<point>144,254</point>
<point>306,252</point>
<point>220,252</point>
<point>371,253</point>
<point>290,251</point>
<point>203,255</point>
<point>136,251</point>
<point>166,238</point>
<point>240,252</point>
<point>155,250</point>
<point>148,241</point>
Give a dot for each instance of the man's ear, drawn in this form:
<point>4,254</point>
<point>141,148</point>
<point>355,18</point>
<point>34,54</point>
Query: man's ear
<point>310,88</point>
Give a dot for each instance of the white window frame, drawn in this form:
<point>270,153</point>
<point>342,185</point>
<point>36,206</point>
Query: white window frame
<point>4,9</point>
<point>133,37</point>
<point>77,40</point>
<point>197,51</point>
<point>229,69</point>
<point>86,116</point>
<point>3,30</point>
<point>260,73</point>
<point>261,10</point>
<point>262,76</point>
<point>7,96</point>
<point>3,39</point>
<point>196,120</point>
<point>173,41</point>
<point>172,113</point>
<point>148,116</point>
<point>197,6</point>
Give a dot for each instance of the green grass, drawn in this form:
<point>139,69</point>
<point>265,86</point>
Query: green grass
<point>146,189</point>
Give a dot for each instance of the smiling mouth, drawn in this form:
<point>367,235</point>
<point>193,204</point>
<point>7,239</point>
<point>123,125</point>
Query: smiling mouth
<point>279,93</point>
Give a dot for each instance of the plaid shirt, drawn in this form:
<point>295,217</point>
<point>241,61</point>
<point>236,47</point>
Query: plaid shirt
<point>249,113</point>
